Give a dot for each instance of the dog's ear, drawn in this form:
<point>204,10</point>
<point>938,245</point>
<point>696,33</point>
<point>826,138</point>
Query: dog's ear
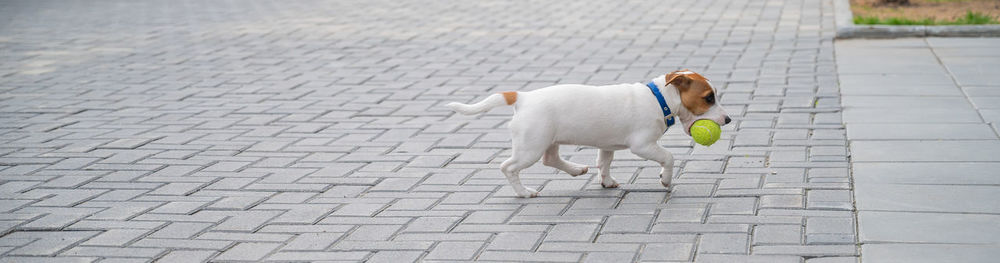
<point>680,79</point>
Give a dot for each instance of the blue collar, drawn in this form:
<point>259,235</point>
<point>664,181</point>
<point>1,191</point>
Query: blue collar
<point>667,115</point>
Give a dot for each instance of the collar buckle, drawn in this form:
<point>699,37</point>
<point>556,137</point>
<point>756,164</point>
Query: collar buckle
<point>668,116</point>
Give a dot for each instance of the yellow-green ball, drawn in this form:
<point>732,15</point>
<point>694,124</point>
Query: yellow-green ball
<point>705,132</point>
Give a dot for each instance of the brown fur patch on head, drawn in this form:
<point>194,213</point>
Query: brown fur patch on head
<point>696,94</point>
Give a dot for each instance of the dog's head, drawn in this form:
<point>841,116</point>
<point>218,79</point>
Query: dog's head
<point>698,97</point>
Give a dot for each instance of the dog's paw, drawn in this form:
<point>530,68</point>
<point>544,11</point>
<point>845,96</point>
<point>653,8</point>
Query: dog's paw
<point>665,182</point>
<point>528,193</point>
<point>608,182</point>
<point>665,179</point>
<point>582,172</point>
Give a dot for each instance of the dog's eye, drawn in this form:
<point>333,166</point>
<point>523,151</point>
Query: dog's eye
<point>710,99</point>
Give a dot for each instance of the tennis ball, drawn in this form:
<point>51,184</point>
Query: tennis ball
<point>705,132</point>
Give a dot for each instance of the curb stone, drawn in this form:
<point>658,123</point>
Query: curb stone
<point>847,29</point>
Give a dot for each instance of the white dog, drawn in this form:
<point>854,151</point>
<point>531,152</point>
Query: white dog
<point>614,117</point>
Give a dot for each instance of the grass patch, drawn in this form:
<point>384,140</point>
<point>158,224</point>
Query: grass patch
<point>946,1</point>
<point>974,18</point>
<point>970,18</point>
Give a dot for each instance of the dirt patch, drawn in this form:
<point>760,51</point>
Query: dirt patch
<point>936,10</point>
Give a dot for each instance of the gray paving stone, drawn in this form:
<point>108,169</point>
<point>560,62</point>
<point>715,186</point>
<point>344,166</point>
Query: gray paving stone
<point>829,225</point>
<point>587,247</point>
<point>530,256</point>
<point>114,224</point>
<point>571,232</point>
<point>781,201</point>
<point>923,151</point>
<point>180,230</point>
<point>245,221</point>
<point>830,199</point>
<point>383,245</point>
<point>723,244</point>
<point>904,60</point>
<point>248,251</point>
<point>982,102</point>
<point>903,131</point>
<point>116,237</point>
<point>967,70</point>
<point>667,251</point>
<point>113,252</point>
<point>682,215</point>
<point>358,210</point>
<point>497,228</point>
<point>893,115</point>
<point>828,250</point>
<point>47,259</point>
<point>647,238</point>
<point>953,42</point>
<point>454,251</point>
<point>832,260</point>
<point>927,198</point>
<point>515,241</point>
<point>884,227</point>
<point>906,102</point>
<point>927,252</point>
<point>444,237</point>
<point>777,234</point>
<point>487,217</point>
<point>991,116</point>
<point>47,243</point>
<point>395,256</point>
<point>830,239</point>
<point>971,173</point>
<point>312,255</point>
<point>431,224</point>
<point>374,232</point>
<point>626,224</point>
<point>312,241</point>
<point>747,258</point>
<point>609,257</point>
<point>246,237</point>
<point>182,244</point>
<point>700,228</point>
<point>186,255</point>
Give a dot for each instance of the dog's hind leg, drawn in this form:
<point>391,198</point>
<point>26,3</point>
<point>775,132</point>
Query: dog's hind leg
<point>511,168</point>
<point>552,159</point>
<point>527,146</point>
<point>604,162</point>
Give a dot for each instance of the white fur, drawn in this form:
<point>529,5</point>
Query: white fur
<point>612,117</point>
<point>493,101</point>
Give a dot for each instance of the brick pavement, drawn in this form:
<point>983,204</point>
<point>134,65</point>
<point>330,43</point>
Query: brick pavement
<point>305,130</point>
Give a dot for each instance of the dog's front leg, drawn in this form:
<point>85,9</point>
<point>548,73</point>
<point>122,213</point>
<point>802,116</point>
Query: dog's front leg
<point>653,152</point>
<point>667,173</point>
<point>604,162</point>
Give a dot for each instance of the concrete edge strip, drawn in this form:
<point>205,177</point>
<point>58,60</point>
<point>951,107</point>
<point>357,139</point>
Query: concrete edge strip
<point>846,28</point>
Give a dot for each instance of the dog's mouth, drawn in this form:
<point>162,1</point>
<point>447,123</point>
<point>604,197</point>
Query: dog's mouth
<point>688,123</point>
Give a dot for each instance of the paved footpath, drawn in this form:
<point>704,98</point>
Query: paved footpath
<point>922,116</point>
<point>302,130</point>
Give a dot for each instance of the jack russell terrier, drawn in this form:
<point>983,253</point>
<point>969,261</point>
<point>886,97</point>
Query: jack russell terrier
<point>610,118</point>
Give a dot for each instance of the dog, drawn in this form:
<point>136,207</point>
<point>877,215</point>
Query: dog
<point>610,118</point>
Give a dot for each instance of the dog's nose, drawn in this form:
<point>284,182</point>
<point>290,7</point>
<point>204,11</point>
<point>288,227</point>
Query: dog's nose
<point>728,120</point>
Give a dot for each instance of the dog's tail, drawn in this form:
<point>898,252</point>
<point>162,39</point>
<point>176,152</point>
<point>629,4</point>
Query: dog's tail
<point>493,101</point>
